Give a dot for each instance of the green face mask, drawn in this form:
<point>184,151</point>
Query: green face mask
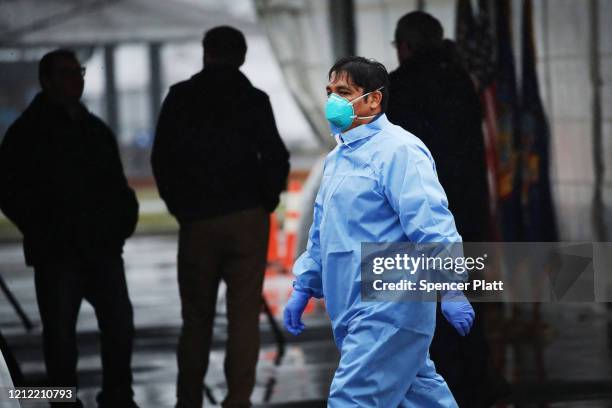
<point>340,112</point>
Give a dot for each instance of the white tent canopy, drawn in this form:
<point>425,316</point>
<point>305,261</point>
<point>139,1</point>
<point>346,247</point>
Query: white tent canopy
<point>87,22</point>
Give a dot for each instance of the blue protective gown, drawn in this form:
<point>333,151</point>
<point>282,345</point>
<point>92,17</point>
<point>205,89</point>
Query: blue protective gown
<point>379,185</point>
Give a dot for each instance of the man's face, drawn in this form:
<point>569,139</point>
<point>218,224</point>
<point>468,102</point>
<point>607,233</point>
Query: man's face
<point>65,82</point>
<point>341,84</point>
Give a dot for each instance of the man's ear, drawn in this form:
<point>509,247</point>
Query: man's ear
<point>375,99</point>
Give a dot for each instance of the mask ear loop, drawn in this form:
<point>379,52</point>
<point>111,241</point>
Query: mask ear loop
<point>362,96</point>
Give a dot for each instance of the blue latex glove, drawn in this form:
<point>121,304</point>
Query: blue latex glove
<point>458,311</point>
<point>293,311</point>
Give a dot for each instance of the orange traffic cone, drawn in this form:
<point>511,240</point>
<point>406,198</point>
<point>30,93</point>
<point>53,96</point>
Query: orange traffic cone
<point>273,255</point>
<point>292,216</point>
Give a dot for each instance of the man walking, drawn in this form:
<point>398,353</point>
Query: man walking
<point>62,184</point>
<point>379,185</point>
<point>220,166</point>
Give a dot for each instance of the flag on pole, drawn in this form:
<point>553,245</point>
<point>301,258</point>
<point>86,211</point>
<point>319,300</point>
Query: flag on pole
<point>538,209</point>
<point>508,141</point>
<point>475,51</point>
<point>487,55</point>
<point>475,42</point>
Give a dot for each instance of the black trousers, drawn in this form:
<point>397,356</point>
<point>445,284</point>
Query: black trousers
<point>60,288</point>
<point>232,247</point>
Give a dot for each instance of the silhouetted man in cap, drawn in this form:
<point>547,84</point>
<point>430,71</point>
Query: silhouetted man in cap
<point>62,184</point>
<point>220,166</point>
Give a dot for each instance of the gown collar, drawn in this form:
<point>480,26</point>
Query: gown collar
<point>364,131</point>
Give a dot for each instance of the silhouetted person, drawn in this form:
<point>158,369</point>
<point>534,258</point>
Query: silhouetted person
<point>11,363</point>
<point>62,184</point>
<point>433,97</point>
<point>220,166</point>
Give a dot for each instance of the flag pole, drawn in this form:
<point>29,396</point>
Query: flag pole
<point>598,160</point>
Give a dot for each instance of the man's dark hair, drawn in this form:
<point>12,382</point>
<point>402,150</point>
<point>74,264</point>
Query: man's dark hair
<point>46,66</point>
<point>420,30</point>
<point>366,73</point>
<point>226,45</point>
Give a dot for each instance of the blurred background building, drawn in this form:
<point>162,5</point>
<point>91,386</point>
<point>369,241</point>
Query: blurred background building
<point>135,49</point>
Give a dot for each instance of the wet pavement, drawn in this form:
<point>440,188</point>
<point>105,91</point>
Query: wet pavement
<point>565,363</point>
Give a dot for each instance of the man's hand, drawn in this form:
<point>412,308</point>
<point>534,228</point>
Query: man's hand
<point>293,312</point>
<point>458,311</point>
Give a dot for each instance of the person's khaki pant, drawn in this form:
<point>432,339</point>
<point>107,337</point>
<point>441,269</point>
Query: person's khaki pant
<point>232,247</point>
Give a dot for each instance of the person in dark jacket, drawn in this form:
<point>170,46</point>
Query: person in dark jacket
<point>220,166</point>
<point>62,184</point>
<point>433,97</point>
